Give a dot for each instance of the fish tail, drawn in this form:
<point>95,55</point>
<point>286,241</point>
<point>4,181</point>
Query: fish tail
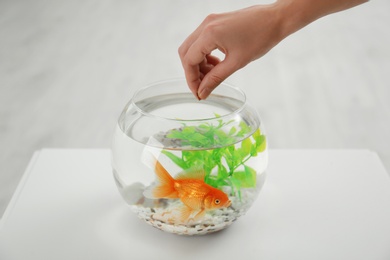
<point>165,187</point>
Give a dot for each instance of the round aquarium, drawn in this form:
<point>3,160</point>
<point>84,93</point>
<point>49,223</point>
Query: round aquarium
<point>186,166</point>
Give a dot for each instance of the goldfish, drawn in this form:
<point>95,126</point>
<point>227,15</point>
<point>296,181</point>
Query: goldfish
<point>197,196</point>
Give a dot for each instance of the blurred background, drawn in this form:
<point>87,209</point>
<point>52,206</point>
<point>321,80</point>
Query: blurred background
<point>67,68</point>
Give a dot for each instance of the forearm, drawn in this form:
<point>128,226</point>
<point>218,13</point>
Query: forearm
<point>296,14</point>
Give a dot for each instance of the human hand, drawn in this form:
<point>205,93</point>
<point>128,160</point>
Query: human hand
<point>245,35</point>
<point>242,35</point>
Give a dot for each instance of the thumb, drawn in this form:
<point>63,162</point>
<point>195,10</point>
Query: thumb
<point>215,77</point>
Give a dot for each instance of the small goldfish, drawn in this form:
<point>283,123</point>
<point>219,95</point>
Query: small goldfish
<point>197,196</point>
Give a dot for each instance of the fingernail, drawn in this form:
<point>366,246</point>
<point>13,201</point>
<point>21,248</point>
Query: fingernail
<point>203,93</point>
<point>196,95</point>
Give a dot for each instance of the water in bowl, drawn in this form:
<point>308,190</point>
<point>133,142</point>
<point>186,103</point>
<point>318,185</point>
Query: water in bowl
<point>216,170</point>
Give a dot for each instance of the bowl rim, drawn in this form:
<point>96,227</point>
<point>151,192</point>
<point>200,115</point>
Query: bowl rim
<point>181,79</point>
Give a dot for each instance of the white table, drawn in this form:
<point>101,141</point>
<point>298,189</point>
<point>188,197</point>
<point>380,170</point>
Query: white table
<point>316,204</point>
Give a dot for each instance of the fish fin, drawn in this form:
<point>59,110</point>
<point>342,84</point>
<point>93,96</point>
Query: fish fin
<point>200,214</point>
<point>165,187</point>
<point>195,174</point>
<point>185,213</point>
<point>158,192</point>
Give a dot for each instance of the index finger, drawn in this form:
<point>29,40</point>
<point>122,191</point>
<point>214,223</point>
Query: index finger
<point>195,55</point>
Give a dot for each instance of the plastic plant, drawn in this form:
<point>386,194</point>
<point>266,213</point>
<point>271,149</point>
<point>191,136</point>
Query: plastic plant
<point>224,163</point>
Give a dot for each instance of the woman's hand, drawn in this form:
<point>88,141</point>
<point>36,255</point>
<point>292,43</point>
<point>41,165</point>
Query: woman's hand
<point>245,35</point>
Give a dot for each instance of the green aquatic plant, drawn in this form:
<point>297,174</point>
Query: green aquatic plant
<point>225,163</point>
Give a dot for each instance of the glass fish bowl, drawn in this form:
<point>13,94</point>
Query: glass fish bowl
<point>186,166</point>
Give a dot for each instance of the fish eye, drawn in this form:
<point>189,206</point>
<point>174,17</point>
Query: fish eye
<point>217,201</point>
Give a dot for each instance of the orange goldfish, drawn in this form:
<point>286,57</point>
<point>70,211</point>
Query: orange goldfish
<point>197,196</point>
